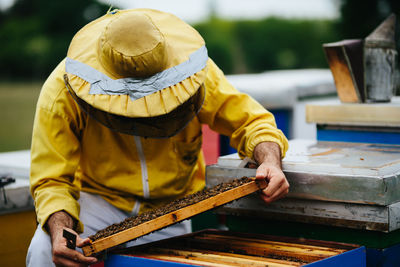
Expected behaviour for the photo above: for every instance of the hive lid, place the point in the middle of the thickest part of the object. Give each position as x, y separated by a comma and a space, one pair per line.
331, 171
384, 35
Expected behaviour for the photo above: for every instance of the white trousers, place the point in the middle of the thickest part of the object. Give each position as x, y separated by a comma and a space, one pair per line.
95, 214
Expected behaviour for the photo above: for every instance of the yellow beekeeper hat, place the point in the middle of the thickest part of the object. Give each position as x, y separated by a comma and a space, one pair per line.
138, 71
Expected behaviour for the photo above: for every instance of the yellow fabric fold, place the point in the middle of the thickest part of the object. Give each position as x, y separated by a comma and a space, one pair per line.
237, 115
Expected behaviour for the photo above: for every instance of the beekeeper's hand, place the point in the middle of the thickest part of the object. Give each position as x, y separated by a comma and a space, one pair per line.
268, 156
62, 255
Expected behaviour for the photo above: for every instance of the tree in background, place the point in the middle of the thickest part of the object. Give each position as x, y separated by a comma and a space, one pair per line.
276, 43
35, 34
268, 44
273, 43
220, 42
360, 17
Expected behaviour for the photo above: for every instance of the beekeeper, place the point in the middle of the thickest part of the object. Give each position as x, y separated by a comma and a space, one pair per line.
117, 130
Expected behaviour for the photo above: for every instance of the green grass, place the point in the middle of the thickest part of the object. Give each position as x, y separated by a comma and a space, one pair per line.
17, 110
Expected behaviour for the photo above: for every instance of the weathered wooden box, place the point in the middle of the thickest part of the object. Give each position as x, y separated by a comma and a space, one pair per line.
353, 185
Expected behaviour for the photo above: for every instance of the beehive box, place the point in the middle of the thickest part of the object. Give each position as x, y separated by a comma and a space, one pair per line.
223, 248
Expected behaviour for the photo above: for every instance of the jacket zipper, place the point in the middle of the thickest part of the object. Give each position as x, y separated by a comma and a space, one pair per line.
136, 208
143, 166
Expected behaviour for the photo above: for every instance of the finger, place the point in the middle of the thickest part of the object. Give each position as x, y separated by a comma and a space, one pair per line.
80, 258
67, 254
261, 172
80, 242
276, 196
274, 184
61, 261
276, 187
67, 262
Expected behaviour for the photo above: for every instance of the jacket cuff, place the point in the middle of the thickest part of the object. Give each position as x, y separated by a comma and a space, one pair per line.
50, 204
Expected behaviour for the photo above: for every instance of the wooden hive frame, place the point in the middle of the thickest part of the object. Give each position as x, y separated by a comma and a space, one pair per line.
174, 217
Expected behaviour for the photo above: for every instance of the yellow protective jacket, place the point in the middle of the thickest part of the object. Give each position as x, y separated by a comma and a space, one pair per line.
72, 152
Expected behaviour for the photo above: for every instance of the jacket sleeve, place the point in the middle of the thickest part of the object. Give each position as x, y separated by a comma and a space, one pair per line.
237, 115
55, 154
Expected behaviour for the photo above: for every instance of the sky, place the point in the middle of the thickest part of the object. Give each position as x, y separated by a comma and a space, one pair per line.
193, 11
198, 10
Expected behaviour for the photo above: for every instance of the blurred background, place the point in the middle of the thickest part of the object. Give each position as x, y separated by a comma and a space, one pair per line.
249, 36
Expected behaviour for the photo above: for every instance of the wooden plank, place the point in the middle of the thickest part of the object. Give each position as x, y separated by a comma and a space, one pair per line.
316, 212
180, 260
286, 239
221, 257
174, 217
260, 249
258, 242
353, 114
